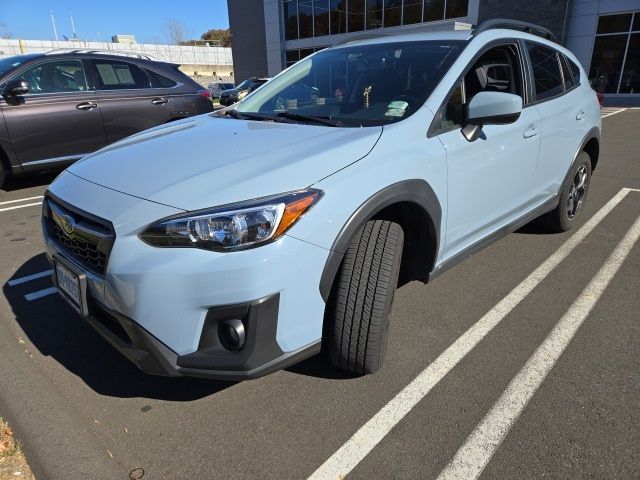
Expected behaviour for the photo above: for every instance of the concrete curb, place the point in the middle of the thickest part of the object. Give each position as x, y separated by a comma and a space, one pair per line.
56, 446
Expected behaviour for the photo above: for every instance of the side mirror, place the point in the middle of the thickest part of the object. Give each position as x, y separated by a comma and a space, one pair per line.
490, 108
16, 87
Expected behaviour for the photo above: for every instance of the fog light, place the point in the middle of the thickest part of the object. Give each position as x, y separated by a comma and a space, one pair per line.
231, 334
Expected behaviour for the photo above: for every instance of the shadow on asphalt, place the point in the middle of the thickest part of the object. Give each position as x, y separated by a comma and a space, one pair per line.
30, 180
57, 331
319, 366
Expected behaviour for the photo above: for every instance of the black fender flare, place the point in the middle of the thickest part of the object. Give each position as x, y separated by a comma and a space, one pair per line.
415, 191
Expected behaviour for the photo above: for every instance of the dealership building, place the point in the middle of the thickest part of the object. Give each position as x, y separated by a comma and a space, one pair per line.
269, 35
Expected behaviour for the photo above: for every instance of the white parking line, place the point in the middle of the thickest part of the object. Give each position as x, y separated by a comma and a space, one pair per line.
28, 278
371, 433
20, 206
613, 113
40, 293
473, 456
21, 200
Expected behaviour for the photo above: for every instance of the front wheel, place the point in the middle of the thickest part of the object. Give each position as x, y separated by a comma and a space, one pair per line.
572, 197
358, 312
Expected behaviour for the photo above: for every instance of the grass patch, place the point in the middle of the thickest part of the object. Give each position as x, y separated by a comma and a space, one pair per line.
13, 464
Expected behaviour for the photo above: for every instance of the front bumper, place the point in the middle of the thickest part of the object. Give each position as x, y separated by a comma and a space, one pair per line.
161, 306
260, 356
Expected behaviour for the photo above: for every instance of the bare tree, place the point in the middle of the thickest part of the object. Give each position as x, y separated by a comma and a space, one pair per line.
175, 32
3, 31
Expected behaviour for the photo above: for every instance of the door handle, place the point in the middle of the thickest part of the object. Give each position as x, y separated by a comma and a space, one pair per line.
580, 115
159, 101
531, 131
86, 106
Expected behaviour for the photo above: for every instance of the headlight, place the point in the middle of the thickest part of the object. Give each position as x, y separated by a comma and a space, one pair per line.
232, 227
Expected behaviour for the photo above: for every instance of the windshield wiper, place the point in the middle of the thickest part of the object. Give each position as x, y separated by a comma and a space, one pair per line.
310, 118
247, 116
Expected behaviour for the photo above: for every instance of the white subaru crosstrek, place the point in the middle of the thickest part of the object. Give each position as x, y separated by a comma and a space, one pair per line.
230, 245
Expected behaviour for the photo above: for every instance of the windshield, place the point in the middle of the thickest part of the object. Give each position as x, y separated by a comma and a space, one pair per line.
9, 63
227, 86
356, 86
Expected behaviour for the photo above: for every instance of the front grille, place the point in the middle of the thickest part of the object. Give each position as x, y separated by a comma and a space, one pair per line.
88, 240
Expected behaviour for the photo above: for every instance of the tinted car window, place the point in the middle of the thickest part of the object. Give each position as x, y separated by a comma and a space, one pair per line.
568, 80
113, 75
160, 81
575, 70
497, 70
55, 77
546, 71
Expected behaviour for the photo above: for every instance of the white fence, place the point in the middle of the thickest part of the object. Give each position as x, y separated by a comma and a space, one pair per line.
191, 56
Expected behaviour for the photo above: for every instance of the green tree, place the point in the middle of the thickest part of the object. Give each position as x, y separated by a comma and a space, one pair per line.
217, 36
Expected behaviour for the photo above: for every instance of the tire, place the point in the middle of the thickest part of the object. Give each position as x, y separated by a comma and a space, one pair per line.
358, 312
572, 197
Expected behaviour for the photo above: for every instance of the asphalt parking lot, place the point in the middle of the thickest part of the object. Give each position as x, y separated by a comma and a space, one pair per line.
521, 362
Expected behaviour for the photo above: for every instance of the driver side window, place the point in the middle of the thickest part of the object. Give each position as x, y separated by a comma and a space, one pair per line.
55, 77
497, 70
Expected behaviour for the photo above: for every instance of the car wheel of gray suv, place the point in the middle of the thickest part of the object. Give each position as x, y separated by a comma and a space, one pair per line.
572, 196
358, 313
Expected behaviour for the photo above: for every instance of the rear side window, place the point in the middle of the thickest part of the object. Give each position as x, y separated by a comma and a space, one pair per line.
546, 71
160, 81
575, 69
113, 75
568, 80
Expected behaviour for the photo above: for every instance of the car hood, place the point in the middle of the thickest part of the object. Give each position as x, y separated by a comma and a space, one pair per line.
206, 161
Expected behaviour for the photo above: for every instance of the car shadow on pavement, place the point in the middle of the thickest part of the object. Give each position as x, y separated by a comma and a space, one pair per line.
56, 330
28, 181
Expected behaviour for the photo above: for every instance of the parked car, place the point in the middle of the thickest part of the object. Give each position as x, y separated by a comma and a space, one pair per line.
234, 95
296, 232
216, 88
57, 107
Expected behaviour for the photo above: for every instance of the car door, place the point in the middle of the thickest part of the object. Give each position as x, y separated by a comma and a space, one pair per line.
490, 180
58, 120
562, 111
128, 102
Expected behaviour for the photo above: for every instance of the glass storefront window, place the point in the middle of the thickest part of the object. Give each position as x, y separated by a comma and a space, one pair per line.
630, 82
636, 22
316, 18
433, 10
338, 16
374, 14
606, 62
457, 8
392, 13
614, 23
305, 18
355, 15
290, 19
321, 17
412, 12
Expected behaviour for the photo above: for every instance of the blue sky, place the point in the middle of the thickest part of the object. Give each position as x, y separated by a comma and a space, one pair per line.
145, 19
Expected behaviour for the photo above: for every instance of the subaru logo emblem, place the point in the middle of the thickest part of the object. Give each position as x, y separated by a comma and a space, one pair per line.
66, 224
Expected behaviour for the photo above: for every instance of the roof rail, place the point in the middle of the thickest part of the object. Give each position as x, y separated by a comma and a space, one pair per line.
527, 27
383, 32
118, 53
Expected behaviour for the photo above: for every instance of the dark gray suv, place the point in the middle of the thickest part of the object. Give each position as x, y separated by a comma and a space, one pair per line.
57, 107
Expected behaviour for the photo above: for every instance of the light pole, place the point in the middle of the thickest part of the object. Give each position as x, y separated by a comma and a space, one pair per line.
53, 23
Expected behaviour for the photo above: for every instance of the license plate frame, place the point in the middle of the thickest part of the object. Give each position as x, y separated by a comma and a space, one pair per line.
71, 284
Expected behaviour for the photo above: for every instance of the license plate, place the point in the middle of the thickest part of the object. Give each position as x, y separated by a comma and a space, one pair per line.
68, 284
